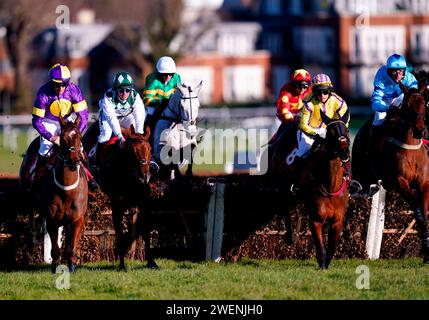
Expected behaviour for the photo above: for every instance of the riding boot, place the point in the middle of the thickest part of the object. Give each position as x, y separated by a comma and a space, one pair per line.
92, 184
298, 174
39, 171
99, 155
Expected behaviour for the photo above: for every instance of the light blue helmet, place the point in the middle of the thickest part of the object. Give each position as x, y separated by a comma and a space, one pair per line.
396, 61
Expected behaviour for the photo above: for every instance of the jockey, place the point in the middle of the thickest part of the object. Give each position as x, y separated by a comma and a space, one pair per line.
311, 126
387, 93
58, 97
121, 106
160, 85
289, 102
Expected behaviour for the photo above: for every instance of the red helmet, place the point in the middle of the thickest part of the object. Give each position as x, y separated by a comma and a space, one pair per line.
301, 75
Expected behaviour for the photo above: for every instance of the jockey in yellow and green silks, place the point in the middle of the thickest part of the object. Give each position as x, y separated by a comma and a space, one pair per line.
160, 86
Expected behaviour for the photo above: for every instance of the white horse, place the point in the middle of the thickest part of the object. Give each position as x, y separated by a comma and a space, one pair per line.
175, 133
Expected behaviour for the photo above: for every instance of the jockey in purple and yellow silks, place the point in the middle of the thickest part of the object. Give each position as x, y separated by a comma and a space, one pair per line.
58, 97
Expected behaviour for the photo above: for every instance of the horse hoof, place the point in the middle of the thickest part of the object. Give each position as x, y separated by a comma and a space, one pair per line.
54, 267
72, 267
152, 265
122, 268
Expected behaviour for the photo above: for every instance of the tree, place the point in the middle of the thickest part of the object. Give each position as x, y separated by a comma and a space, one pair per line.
23, 20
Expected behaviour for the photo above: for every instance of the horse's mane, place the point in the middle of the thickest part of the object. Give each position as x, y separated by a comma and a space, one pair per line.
139, 137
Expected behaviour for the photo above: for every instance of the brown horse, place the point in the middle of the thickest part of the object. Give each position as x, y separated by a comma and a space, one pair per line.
124, 176
403, 161
325, 189
63, 194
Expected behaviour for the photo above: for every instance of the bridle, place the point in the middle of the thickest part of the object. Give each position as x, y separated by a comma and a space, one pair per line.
178, 117
65, 157
334, 155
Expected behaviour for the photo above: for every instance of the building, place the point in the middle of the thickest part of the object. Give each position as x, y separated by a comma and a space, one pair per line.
347, 39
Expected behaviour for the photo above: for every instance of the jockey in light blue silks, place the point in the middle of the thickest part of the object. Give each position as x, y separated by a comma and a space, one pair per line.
387, 93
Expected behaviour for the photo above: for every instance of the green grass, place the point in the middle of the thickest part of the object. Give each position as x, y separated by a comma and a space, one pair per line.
248, 279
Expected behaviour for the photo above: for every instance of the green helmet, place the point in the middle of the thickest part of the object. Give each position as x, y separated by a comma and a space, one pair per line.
123, 79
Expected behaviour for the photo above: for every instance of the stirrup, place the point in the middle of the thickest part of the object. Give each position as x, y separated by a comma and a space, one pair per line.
294, 189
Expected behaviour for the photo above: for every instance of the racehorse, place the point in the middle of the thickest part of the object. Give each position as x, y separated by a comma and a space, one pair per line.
175, 133
124, 176
63, 194
403, 161
326, 190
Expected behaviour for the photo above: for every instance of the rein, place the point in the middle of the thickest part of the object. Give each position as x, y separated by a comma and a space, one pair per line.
405, 145
336, 193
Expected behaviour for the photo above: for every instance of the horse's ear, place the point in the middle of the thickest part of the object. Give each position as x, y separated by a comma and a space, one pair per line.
77, 121
132, 130
326, 120
198, 87
183, 88
403, 88
146, 134
423, 81
62, 121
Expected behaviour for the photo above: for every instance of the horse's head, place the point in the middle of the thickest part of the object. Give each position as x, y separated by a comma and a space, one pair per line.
413, 110
189, 105
70, 143
337, 142
139, 153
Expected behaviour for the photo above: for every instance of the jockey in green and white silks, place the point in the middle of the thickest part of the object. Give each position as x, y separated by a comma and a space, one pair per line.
387, 92
121, 106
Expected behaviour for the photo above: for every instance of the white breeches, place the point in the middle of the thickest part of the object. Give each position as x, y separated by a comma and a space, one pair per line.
136, 119
46, 146
305, 141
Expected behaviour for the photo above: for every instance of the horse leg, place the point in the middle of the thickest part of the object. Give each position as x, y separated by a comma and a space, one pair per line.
316, 228
145, 227
191, 162
422, 219
55, 251
117, 215
75, 232
333, 236
289, 236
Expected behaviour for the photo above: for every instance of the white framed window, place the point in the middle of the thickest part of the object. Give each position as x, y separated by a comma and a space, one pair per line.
193, 75
243, 83
362, 81
372, 45
419, 43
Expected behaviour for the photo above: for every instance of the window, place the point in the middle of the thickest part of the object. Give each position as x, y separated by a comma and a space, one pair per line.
274, 43
272, 7
295, 7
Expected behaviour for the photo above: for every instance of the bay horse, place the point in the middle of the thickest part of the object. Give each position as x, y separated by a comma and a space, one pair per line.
326, 190
63, 194
124, 176
403, 162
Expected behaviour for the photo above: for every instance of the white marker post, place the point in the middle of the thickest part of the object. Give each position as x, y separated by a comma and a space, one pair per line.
376, 222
